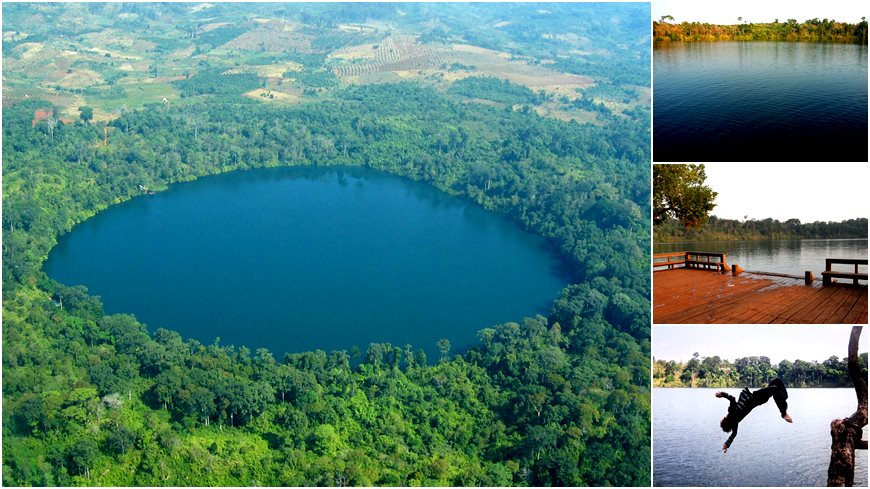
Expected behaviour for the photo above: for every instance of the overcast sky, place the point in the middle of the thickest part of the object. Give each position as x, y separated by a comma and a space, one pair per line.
726, 12
786, 190
732, 341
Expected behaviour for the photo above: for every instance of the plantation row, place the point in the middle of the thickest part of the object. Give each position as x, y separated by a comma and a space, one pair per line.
427, 60
395, 48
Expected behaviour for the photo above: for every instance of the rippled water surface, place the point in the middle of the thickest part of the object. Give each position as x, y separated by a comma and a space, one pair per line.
687, 440
294, 259
791, 257
760, 101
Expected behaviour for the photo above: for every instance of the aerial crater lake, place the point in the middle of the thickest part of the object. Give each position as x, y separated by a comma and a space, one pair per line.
759, 101
303, 258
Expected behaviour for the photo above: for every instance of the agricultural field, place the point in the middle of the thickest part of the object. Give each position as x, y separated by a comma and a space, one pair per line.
116, 57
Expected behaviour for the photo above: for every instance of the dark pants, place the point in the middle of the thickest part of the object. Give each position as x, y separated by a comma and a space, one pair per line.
775, 389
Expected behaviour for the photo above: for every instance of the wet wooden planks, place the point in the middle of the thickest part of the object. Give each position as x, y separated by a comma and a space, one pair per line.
695, 296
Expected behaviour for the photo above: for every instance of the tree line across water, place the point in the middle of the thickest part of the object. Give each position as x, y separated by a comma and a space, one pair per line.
813, 30
97, 399
753, 371
716, 229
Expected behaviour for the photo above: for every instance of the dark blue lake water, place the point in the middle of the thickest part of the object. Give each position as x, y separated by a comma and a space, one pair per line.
759, 101
687, 440
296, 259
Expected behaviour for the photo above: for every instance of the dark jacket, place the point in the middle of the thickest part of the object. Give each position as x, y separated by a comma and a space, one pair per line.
739, 408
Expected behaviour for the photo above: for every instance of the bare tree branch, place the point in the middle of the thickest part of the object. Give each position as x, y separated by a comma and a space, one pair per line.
846, 433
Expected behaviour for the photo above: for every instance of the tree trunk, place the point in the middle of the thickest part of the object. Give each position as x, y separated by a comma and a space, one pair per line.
846, 433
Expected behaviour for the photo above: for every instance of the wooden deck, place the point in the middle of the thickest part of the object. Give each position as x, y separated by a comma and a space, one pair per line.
682, 296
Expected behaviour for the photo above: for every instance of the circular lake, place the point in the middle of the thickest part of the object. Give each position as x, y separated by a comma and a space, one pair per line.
304, 258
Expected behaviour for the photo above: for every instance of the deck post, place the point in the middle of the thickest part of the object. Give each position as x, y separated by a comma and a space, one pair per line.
736, 270
808, 277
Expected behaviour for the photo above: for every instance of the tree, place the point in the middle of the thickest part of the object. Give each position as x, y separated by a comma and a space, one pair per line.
711, 368
120, 439
82, 455
51, 124
846, 433
86, 113
325, 440
679, 192
444, 348
690, 373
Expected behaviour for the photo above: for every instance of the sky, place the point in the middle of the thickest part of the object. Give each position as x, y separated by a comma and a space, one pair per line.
726, 12
789, 190
732, 341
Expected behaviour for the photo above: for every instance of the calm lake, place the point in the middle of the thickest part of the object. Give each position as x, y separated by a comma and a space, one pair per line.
296, 259
687, 440
792, 257
759, 101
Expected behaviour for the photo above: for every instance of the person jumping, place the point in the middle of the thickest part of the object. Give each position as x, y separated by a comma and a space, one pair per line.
739, 408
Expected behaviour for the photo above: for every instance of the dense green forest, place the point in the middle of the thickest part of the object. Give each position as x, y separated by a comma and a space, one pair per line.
752, 372
489, 88
95, 399
813, 30
715, 229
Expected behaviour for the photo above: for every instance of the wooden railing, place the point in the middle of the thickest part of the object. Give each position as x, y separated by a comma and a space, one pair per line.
829, 274
669, 259
717, 261
690, 259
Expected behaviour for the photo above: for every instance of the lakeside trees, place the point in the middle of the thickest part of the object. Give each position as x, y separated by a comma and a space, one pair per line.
671, 230
100, 399
753, 371
813, 30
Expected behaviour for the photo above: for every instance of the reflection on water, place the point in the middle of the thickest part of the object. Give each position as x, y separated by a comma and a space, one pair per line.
782, 256
687, 440
741, 101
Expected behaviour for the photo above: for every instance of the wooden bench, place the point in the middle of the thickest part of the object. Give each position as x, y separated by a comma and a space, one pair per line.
699, 259
828, 275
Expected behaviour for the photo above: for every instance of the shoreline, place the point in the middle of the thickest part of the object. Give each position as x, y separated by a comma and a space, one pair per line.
655, 242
